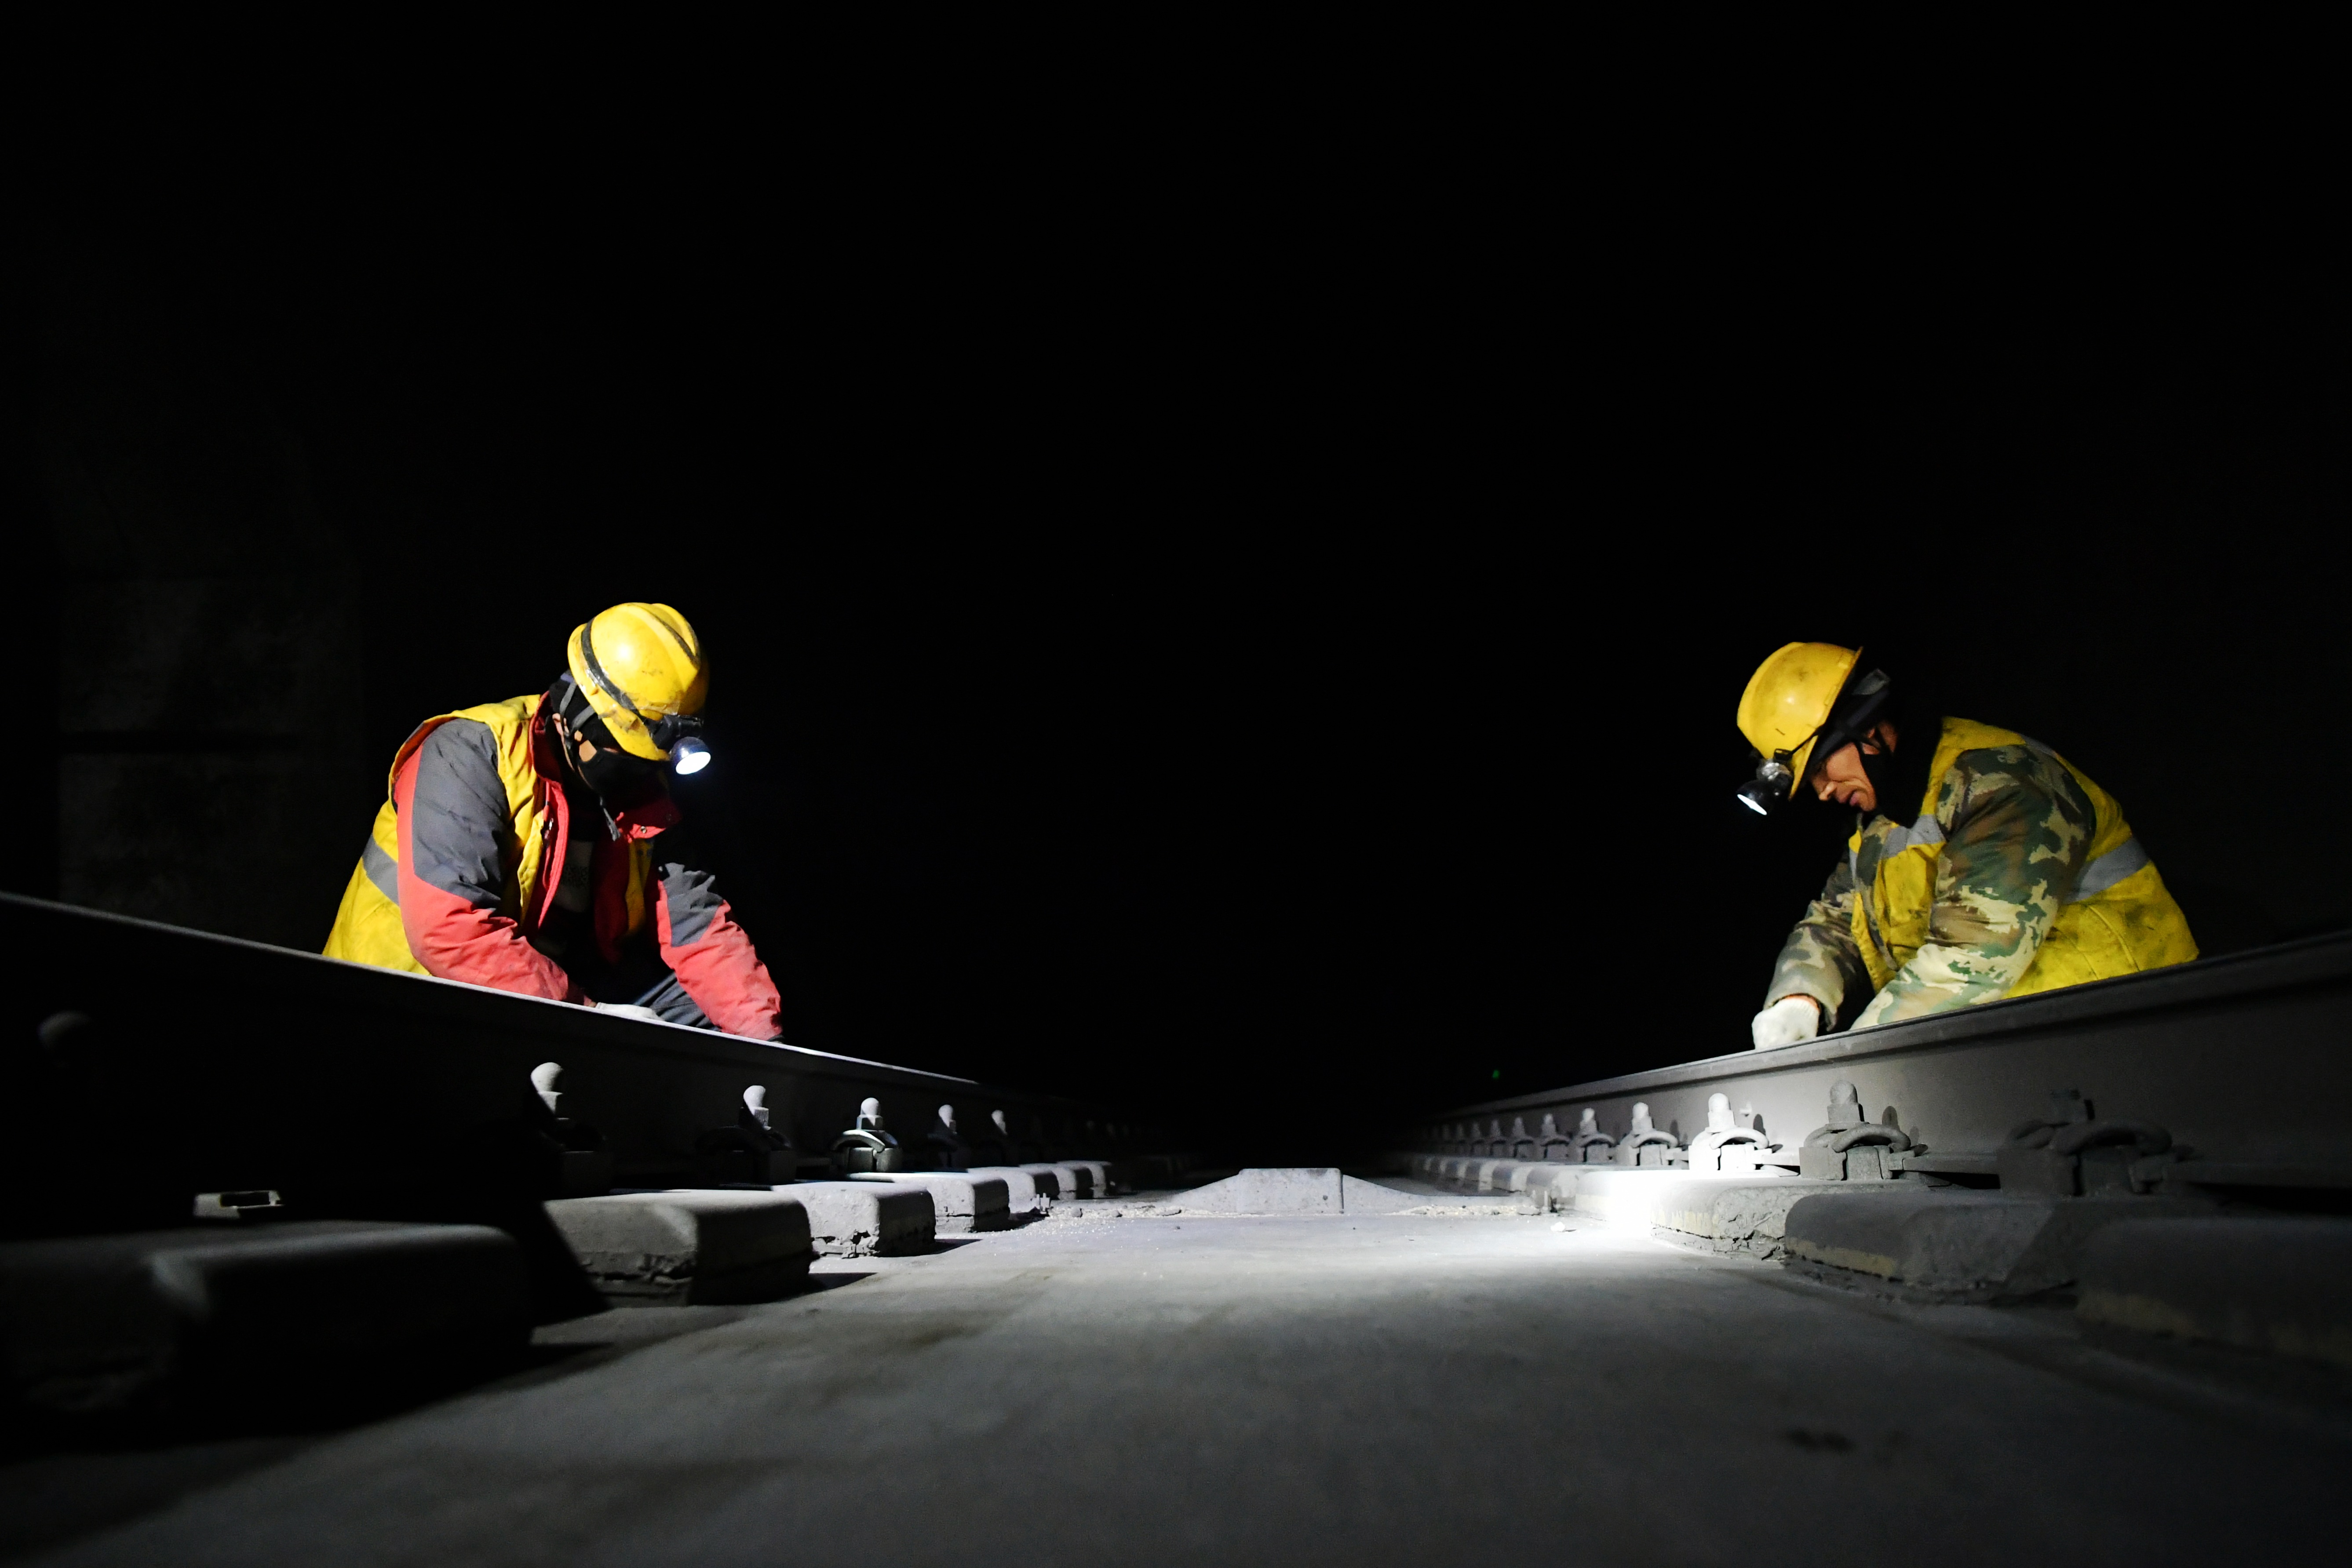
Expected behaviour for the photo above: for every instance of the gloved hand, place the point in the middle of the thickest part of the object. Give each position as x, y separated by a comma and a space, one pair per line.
628, 1011
1789, 1021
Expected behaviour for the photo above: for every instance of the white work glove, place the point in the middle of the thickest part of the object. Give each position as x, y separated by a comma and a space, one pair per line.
628, 1011
1789, 1021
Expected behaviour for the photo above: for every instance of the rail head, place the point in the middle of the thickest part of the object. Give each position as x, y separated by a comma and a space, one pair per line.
2312, 963
313, 979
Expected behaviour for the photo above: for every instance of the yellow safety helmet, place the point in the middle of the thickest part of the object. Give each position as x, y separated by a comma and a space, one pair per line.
641, 668
1786, 709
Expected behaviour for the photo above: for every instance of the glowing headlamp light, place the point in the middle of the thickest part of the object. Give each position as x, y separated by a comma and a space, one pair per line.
681, 736
1774, 778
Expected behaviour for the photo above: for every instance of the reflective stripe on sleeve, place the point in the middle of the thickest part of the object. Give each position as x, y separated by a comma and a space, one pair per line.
2110, 869
382, 868
1925, 830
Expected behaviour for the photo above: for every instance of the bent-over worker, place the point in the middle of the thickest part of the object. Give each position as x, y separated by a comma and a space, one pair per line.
1982, 864
528, 844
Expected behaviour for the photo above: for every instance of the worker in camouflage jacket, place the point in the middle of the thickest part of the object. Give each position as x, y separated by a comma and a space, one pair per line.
1982, 864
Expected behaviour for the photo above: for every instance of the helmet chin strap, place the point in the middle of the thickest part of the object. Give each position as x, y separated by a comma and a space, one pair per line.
572, 703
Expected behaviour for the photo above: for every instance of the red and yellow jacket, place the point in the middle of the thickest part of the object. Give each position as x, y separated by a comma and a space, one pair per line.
468, 858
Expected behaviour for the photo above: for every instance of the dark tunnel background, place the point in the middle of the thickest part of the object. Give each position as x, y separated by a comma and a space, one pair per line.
1268, 666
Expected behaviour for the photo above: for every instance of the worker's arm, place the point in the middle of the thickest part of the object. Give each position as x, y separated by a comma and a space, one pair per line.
456, 835
713, 956
1820, 959
2017, 833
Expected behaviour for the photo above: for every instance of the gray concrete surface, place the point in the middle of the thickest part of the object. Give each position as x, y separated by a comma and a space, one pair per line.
687, 1247
857, 1218
1331, 1389
101, 1322
1072, 1179
1023, 1197
1298, 1189
1730, 1213
1303, 1189
2276, 1285
1957, 1245
1050, 1180
962, 1201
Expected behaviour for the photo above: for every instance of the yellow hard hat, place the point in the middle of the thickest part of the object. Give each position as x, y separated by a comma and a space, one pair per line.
640, 665
1788, 701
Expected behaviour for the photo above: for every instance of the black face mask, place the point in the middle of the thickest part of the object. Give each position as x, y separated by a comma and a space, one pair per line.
621, 781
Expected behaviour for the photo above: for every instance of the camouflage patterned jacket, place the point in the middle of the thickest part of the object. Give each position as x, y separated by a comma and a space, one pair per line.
2019, 874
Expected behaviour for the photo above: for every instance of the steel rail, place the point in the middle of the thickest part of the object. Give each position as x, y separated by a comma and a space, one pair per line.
238, 1064
2247, 1059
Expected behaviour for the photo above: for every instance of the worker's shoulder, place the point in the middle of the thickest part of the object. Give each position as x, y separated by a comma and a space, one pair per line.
506, 723
1990, 753
482, 731
2019, 761
460, 735
1980, 776
499, 715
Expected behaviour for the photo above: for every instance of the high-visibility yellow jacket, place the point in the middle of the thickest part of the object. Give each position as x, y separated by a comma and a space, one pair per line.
475, 845
2017, 874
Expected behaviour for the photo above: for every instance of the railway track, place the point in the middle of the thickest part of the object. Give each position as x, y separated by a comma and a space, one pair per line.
210, 1064
2164, 1154
1997, 1341
2246, 1061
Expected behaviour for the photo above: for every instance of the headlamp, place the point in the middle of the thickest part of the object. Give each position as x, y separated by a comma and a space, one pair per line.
1770, 786
680, 735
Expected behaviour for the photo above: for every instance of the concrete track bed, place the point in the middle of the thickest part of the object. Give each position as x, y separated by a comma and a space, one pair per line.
1328, 1389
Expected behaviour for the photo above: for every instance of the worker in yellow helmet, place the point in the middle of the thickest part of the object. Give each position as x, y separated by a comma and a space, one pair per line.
521, 844
1982, 864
